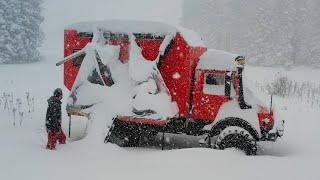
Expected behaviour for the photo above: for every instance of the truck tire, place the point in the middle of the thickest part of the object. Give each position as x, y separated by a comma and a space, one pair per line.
237, 137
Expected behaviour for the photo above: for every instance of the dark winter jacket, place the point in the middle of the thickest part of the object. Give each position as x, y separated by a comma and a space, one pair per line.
53, 116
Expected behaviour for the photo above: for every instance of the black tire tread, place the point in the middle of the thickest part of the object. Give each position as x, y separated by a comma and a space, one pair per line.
237, 137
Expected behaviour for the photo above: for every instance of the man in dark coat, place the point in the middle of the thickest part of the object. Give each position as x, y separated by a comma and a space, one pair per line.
53, 120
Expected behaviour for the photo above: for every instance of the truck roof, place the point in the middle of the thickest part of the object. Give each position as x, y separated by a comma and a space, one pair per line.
138, 27
125, 26
218, 60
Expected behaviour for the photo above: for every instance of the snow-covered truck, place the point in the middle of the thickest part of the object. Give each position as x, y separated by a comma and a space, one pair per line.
203, 87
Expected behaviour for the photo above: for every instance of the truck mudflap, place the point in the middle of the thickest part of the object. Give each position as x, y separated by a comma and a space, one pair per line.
273, 134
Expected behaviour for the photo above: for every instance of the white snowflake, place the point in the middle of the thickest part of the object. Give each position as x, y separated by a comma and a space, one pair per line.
176, 75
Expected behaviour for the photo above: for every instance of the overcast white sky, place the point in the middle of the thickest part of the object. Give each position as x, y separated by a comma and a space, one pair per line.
59, 13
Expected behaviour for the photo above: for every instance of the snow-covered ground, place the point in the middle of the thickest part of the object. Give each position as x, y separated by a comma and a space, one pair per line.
23, 155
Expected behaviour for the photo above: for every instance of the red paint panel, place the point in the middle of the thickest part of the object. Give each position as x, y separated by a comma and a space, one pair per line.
149, 48
194, 53
71, 42
175, 65
264, 114
177, 71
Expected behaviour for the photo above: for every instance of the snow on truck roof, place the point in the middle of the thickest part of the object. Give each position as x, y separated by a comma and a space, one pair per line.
218, 60
125, 26
135, 26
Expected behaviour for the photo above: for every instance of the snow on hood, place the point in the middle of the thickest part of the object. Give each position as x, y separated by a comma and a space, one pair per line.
125, 26
218, 60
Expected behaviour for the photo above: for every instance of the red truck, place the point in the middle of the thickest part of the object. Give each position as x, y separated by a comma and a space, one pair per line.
206, 84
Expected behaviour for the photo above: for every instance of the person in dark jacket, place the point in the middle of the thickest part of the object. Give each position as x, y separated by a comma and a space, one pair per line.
53, 120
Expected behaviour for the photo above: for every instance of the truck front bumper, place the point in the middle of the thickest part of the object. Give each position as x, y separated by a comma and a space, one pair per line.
273, 134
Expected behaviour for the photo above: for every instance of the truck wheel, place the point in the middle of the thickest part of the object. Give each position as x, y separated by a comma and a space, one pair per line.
237, 137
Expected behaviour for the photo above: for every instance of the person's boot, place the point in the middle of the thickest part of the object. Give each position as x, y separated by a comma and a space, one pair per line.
61, 137
50, 147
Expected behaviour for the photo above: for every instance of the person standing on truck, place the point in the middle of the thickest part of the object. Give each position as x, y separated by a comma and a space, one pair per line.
53, 120
240, 66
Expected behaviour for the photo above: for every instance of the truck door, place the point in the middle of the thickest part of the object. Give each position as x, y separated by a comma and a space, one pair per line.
210, 92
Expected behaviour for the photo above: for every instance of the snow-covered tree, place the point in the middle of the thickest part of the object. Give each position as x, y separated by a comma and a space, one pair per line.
20, 33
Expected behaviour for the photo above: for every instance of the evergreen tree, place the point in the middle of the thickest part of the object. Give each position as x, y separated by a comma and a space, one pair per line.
20, 33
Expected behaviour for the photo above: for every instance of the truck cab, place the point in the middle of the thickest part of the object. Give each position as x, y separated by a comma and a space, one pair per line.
220, 94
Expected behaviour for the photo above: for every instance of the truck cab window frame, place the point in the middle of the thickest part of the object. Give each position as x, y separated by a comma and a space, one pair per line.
214, 84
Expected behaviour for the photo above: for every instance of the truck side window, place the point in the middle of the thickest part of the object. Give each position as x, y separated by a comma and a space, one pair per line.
78, 60
214, 84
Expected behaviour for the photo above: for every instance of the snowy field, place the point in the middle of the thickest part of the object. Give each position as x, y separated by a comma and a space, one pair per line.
23, 153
